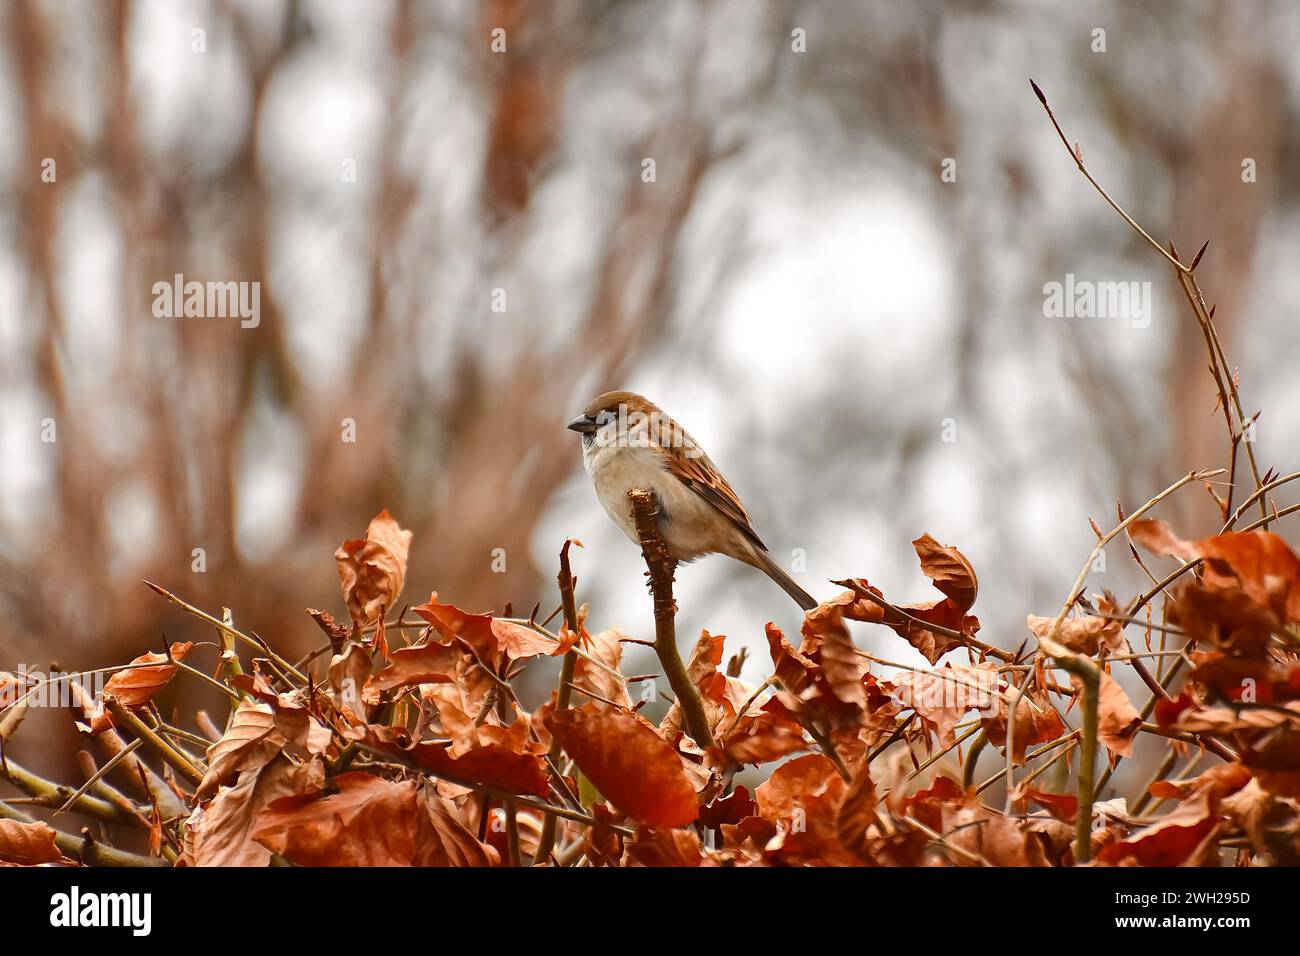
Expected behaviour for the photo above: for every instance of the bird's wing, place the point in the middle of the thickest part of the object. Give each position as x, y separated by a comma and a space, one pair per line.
688, 463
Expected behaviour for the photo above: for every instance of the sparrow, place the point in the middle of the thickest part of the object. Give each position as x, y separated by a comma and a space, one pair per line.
629, 443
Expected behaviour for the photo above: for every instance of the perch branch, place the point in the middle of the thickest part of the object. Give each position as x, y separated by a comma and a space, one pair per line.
645, 513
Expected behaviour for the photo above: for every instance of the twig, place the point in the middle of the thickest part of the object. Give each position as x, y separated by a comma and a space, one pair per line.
1089, 675
98, 775
1255, 496
916, 622
546, 842
512, 834
1110, 535
1077, 156
221, 625
123, 717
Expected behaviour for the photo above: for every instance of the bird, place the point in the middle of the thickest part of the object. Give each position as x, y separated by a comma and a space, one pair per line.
629, 443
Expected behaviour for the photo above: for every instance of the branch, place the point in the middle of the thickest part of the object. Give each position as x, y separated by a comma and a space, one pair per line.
46, 793
645, 513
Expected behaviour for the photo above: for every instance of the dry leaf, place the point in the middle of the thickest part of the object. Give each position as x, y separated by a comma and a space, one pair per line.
628, 762
372, 569
28, 844
370, 822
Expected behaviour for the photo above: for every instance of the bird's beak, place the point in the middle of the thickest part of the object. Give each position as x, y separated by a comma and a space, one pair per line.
582, 424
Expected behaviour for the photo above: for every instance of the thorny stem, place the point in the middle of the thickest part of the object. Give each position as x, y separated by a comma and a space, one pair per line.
1254, 496
1186, 275
230, 656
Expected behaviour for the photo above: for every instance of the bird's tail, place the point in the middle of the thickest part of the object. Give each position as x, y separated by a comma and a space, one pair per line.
768, 566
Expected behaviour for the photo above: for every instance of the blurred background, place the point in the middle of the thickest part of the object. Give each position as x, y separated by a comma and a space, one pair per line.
457, 246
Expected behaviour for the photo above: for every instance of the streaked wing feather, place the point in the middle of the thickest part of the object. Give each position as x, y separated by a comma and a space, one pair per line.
699, 474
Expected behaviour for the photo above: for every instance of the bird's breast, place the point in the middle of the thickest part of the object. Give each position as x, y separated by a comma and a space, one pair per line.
690, 525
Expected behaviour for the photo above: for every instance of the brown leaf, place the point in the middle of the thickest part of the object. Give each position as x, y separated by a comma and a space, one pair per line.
1083, 635
1155, 536
1037, 722
802, 799
1118, 721
702, 669
604, 846
425, 664
348, 676
856, 813
372, 569
489, 764
950, 573
606, 648
949, 570
1274, 759
1221, 780
1249, 808
250, 742
13, 704
1259, 562
370, 822
145, 677
518, 642
1177, 839
659, 848
1246, 678
927, 805
758, 738
988, 836
1226, 720
843, 668
453, 624
783, 792
729, 809
629, 763
1063, 806
28, 844
942, 696
218, 833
